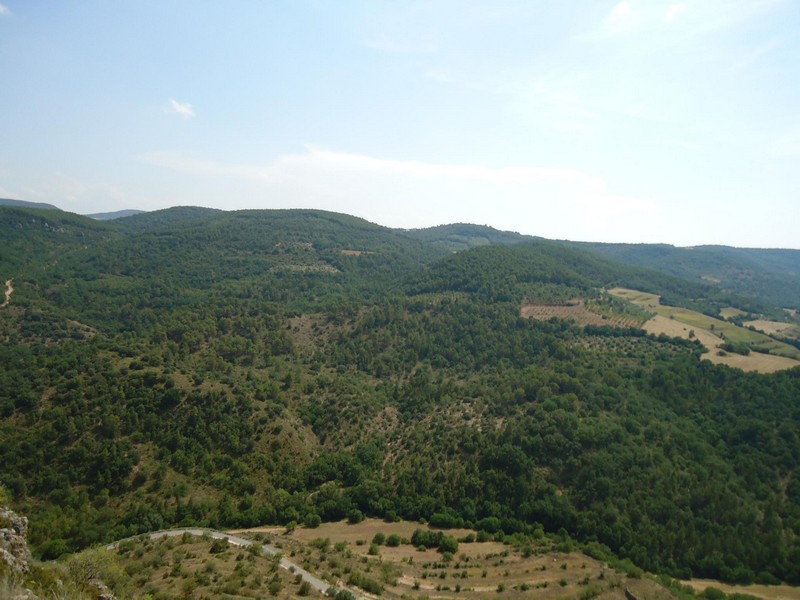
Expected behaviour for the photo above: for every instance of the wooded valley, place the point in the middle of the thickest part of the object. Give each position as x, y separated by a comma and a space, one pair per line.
234, 369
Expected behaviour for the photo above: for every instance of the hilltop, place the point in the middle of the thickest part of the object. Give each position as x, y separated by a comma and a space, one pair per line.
234, 369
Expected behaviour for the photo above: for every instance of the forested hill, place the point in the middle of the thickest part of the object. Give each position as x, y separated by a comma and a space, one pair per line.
24, 204
229, 369
772, 275
463, 236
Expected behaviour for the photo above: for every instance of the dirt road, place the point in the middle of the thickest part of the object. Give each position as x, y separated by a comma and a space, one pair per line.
315, 582
9, 291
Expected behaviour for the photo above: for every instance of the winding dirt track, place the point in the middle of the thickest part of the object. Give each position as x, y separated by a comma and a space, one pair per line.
9, 291
235, 540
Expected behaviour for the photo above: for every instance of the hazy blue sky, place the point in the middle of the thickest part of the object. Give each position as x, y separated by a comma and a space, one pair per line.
633, 120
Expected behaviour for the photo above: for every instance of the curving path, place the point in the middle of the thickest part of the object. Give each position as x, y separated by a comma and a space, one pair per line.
315, 582
9, 291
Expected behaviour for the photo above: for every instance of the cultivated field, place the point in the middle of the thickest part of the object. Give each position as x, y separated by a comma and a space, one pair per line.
487, 569
195, 567
577, 311
729, 312
768, 592
755, 361
785, 330
712, 333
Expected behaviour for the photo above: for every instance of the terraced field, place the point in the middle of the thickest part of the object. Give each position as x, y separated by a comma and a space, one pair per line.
769, 354
486, 569
578, 311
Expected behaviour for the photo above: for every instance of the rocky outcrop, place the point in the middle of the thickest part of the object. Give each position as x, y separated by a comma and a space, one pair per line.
101, 590
13, 540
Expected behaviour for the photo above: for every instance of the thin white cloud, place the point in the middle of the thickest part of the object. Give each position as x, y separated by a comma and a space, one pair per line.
696, 18
184, 109
4, 10
554, 202
623, 18
621, 14
757, 53
673, 12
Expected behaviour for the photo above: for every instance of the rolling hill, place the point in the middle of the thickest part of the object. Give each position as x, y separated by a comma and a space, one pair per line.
235, 369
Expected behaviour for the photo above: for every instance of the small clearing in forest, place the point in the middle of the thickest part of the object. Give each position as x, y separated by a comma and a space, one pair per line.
577, 311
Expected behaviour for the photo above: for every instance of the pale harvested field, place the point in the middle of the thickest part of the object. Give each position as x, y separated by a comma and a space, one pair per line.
343, 531
762, 363
768, 592
775, 327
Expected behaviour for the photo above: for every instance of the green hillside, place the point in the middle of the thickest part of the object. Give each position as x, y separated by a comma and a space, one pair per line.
232, 369
771, 275
463, 236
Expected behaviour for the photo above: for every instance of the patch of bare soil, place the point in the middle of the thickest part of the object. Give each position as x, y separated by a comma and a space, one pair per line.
775, 327
730, 311
576, 311
477, 570
8, 292
768, 592
755, 361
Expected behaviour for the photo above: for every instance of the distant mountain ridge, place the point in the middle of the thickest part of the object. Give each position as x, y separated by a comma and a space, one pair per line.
758, 272
240, 368
24, 204
118, 214
767, 274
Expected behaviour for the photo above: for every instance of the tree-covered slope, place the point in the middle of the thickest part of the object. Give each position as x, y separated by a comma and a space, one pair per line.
251, 367
463, 236
771, 275
40, 238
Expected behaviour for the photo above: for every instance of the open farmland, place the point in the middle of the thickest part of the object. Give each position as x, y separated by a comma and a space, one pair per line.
729, 312
334, 551
785, 330
577, 311
772, 355
200, 567
768, 592
755, 361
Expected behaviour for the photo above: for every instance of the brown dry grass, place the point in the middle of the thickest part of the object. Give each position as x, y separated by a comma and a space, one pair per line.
574, 311
189, 568
755, 361
768, 592
479, 570
775, 327
730, 311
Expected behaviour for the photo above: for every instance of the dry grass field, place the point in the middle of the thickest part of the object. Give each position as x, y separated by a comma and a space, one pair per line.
196, 567
477, 570
768, 592
755, 361
729, 312
577, 311
786, 330
711, 332
490, 569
